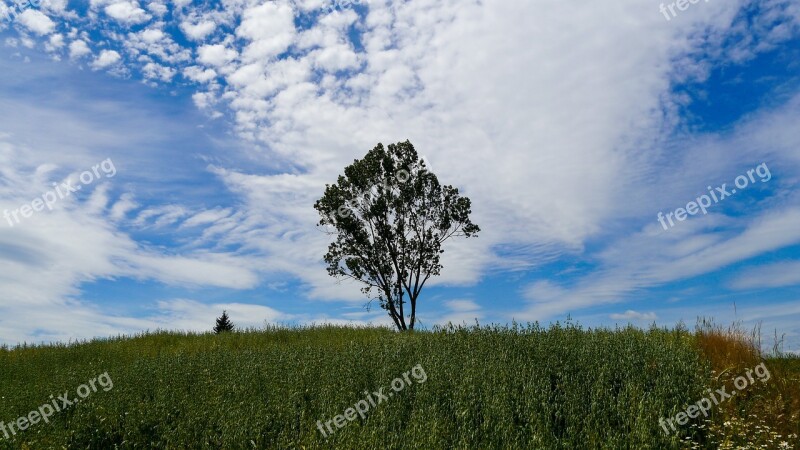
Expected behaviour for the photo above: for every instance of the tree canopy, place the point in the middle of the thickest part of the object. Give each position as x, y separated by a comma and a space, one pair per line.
390, 216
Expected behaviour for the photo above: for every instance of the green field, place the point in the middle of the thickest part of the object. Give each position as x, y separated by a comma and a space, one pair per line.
524, 387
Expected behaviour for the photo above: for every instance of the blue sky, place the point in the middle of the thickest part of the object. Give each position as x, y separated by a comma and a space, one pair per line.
570, 126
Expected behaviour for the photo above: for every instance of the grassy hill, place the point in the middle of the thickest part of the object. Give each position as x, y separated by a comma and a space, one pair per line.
521, 387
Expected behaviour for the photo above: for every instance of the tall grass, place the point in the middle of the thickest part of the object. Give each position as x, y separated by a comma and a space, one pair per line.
487, 387
764, 415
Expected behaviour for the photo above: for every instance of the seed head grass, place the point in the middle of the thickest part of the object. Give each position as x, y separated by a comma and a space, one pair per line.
523, 386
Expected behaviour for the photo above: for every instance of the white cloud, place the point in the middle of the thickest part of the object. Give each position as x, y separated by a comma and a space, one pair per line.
127, 12
153, 43
635, 316
199, 269
37, 22
216, 55
460, 312
55, 43
545, 291
158, 72
442, 76
78, 242
159, 9
183, 314
199, 75
207, 217
203, 100
123, 206
770, 276
336, 58
270, 29
653, 257
198, 31
159, 216
152, 35
106, 59
463, 305
78, 49
58, 7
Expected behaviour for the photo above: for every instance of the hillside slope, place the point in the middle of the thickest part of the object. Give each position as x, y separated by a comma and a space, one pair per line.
323, 387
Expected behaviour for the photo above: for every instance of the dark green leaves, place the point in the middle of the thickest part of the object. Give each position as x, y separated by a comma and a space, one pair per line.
390, 216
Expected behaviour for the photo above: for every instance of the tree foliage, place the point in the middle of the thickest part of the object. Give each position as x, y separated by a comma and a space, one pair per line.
224, 324
390, 216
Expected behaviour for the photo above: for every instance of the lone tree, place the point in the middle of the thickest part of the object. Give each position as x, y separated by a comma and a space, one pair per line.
391, 217
224, 324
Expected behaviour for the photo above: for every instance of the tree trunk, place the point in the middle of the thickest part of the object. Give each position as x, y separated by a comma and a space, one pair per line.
413, 311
